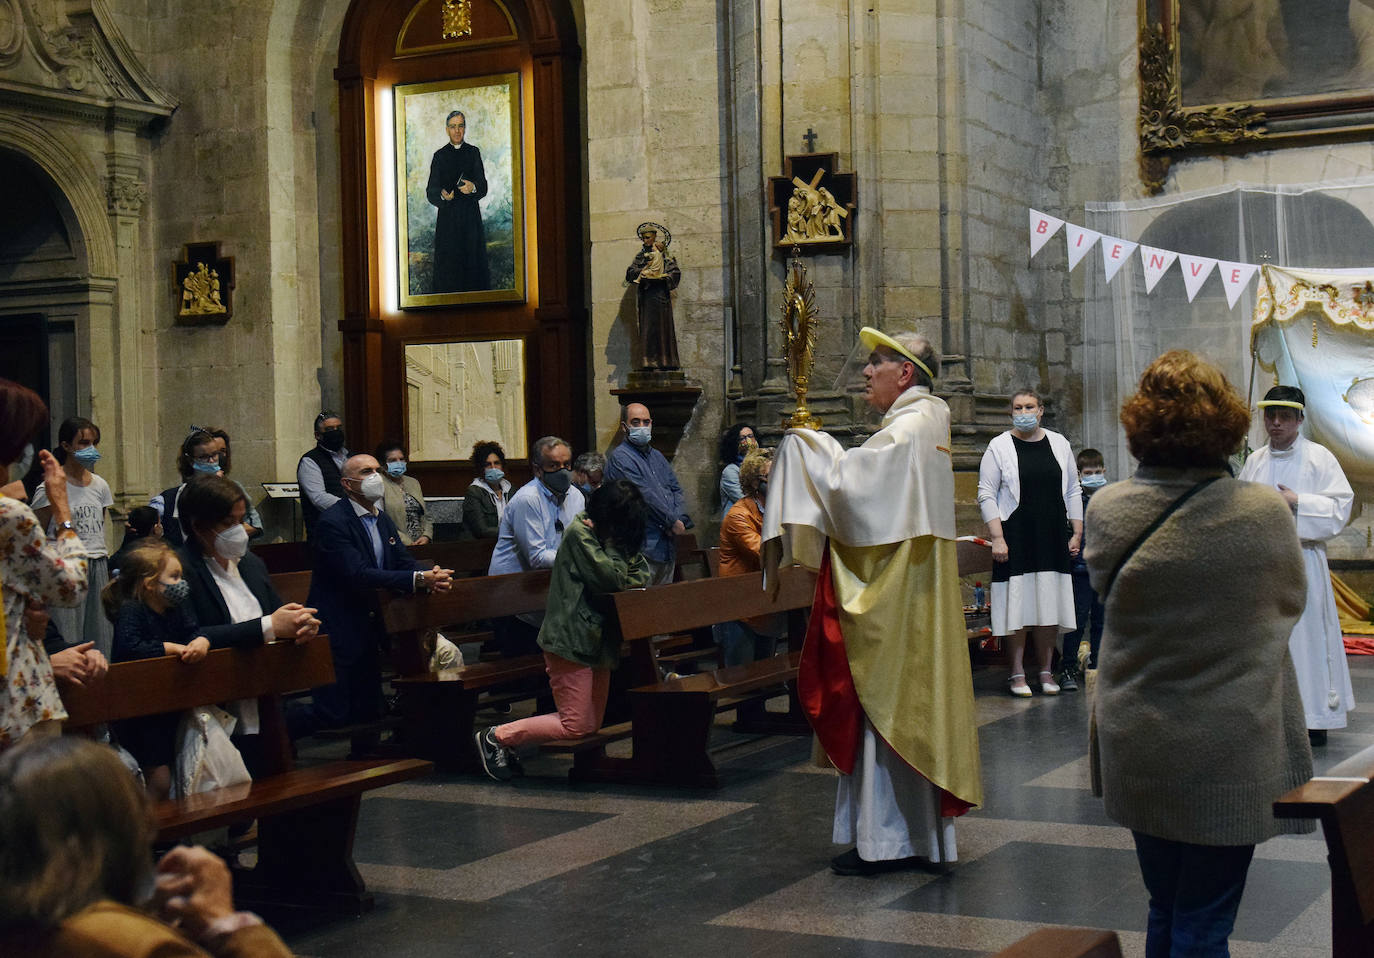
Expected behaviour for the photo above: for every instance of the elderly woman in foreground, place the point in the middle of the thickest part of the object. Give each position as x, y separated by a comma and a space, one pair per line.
76, 870
1197, 725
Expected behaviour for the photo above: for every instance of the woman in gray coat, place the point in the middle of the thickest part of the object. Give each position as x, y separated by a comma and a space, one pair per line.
1197, 723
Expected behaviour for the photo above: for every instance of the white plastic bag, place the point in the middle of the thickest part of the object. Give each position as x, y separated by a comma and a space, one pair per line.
206, 758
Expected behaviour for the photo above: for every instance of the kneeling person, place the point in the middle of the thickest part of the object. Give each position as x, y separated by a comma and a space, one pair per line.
599, 555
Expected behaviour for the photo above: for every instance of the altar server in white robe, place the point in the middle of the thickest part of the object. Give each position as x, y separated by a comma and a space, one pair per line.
1311, 480
884, 675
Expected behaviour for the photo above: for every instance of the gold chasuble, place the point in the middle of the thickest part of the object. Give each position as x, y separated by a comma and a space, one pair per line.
886, 512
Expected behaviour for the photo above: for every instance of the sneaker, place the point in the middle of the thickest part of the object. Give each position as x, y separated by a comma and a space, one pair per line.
1068, 682
495, 756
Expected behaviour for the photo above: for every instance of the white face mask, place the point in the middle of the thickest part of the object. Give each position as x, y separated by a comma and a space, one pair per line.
232, 543
20, 468
371, 487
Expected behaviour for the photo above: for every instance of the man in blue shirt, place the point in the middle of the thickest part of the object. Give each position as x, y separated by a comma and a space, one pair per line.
648, 469
531, 530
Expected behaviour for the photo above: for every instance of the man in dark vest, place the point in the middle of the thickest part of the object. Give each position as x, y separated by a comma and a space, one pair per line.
320, 471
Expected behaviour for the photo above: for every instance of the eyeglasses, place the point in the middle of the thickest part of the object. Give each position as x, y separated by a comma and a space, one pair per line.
208, 458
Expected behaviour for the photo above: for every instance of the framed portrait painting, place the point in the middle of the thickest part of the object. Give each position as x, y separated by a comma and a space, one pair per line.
459, 192
1226, 73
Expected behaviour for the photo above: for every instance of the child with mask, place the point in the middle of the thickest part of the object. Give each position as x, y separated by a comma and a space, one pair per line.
89, 496
147, 604
1092, 475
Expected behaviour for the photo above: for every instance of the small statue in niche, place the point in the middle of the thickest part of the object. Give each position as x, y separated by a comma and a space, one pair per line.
655, 273
200, 292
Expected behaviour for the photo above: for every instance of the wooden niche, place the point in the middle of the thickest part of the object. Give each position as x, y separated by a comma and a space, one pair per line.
502, 304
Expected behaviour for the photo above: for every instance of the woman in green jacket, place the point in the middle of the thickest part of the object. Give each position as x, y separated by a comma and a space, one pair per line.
599, 555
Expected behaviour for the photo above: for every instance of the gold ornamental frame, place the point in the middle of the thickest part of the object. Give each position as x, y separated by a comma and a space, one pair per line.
1168, 128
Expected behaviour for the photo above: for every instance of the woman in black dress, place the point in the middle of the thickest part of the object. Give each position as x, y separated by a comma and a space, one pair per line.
1029, 496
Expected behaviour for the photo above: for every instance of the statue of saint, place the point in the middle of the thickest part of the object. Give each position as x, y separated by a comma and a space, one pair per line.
656, 274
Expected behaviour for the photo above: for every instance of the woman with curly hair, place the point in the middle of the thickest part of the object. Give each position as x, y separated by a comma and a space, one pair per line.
735, 443
1197, 724
1029, 495
485, 501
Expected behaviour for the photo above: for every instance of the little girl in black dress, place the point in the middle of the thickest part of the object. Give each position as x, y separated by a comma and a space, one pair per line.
147, 604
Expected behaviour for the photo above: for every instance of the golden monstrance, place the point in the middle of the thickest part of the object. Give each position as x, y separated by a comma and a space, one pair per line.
799, 318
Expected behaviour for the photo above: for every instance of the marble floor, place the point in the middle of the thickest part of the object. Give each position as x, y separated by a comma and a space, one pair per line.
461, 865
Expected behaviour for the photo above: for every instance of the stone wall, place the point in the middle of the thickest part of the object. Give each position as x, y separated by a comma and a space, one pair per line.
654, 153
237, 165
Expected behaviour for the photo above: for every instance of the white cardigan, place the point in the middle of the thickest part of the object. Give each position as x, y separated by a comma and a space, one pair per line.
999, 477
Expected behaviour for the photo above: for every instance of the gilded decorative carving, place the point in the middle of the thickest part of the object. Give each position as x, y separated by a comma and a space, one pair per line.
799, 318
200, 293
204, 283
457, 19
813, 215
812, 205
1166, 125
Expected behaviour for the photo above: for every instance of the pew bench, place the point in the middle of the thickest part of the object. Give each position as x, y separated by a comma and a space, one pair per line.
671, 720
1343, 801
438, 709
306, 816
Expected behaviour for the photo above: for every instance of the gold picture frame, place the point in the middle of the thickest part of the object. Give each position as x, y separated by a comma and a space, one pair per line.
436, 260
1274, 73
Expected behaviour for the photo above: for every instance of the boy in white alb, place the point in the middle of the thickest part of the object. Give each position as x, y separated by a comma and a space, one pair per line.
1310, 479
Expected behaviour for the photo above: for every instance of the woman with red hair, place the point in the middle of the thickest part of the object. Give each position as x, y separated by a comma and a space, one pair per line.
1197, 725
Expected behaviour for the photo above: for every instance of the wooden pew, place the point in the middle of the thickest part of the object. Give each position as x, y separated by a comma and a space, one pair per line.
671, 720
284, 556
1343, 801
292, 586
466, 557
1065, 943
306, 817
438, 708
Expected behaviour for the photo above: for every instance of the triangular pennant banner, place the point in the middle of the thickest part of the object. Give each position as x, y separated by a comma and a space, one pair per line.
1042, 227
1235, 277
1080, 241
1156, 263
1195, 270
1114, 253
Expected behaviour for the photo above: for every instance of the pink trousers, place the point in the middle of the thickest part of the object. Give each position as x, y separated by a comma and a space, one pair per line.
579, 691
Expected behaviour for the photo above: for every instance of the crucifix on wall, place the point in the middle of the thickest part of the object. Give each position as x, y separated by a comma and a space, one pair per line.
812, 205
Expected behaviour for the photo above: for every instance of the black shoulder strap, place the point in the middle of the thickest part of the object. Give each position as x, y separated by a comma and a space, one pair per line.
1150, 530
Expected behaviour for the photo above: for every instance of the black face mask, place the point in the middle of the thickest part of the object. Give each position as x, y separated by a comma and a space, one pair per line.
332, 439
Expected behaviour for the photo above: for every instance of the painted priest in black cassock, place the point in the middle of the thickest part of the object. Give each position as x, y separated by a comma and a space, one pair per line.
456, 183
655, 272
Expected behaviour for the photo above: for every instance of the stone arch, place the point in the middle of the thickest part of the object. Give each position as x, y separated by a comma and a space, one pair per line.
79, 185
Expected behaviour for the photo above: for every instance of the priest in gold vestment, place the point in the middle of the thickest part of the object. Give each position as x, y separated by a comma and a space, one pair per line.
885, 675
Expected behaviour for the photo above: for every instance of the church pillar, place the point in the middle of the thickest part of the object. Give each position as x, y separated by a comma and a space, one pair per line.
123, 366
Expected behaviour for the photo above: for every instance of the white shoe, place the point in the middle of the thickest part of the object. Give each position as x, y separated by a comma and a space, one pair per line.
1047, 684
1021, 691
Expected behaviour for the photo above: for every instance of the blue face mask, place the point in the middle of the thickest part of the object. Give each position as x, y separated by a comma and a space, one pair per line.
493, 476
209, 467
396, 468
639, 435
88, 456
1095, 481
1025, 421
